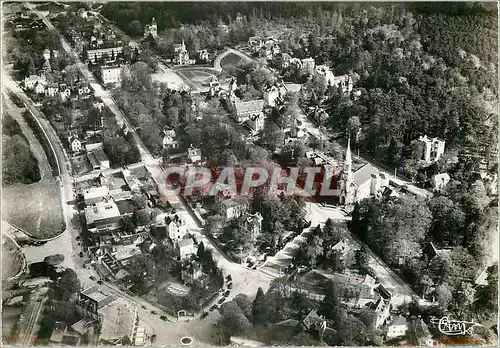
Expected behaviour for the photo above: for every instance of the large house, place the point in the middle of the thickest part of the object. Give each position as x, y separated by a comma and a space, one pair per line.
98, 159
233, 207
243, 111
151, 29
355, 286
176, 227
274, 94
186, 248
103, 216
397, 328
191, 272
251, 223
433, 148
181, 55
111, 75
308, 64
75, 144
169, 140
32, 80
194, 154
110, 54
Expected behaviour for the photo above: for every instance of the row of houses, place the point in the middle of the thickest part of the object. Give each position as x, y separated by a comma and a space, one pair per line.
39, 85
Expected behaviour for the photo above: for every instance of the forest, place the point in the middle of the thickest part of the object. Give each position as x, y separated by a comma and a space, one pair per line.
19, 163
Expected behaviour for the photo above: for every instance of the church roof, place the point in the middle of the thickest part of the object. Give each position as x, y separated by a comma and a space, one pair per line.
364, 174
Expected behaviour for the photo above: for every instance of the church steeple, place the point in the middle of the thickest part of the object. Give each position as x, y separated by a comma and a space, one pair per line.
348, 161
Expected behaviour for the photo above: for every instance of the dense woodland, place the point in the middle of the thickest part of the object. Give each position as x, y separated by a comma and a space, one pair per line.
19, 164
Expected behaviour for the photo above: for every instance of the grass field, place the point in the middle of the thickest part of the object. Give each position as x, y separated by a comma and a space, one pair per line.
35, 208
230, 61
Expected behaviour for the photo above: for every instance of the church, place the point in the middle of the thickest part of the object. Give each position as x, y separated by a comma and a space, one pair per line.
361, 184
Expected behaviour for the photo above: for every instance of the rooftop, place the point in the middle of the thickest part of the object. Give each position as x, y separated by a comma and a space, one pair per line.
364, 174
243, 107
119, 320
101, 210
399, 321
95, 192
185, 242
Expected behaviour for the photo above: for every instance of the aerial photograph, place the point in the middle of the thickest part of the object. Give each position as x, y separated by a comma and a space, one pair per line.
249, 173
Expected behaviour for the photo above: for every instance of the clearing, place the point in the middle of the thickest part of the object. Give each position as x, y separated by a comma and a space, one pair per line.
35, 208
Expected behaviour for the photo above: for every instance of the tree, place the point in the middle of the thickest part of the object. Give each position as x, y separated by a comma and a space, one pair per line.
69, 284
331, 307
233, 318
135, 28
214, 224
128, 224
314, 249
245, 305
201, 250
443, 296
259, 310
19, 164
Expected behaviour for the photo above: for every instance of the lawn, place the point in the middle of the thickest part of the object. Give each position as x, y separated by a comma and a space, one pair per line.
35, 208
230, 61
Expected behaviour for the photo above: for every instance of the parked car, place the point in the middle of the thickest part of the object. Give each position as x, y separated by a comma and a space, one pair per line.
164, 318
221, 301
143, 307
100, 282
226, 294
154, 312
204, 315
213, 308
81, 254
92, 278
228, 278
78, 237
230, 285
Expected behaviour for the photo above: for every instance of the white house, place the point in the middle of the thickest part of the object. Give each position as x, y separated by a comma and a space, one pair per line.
176, 227
169, 141
111, 75
256, 123
243, 110
308, 64
397, 328
327, 74
203, 55
233, 208
194, 154
151, 29
186, 248
39, 88
64, 93
433, 148
52, 90
32, 80
75, 144
439, 181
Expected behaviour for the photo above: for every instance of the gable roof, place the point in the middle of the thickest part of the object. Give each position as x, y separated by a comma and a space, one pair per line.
399, 321
249, 106
185, 242
364, 174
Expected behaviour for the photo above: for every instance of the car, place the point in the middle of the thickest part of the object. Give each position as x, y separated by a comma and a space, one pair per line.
226, 294
254, 267
81, 254
154, 312
213, 308
221, 301
100, 282
204, 315
230, 285
78, 237
228, 278
143, 307
163, 317
92, 278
